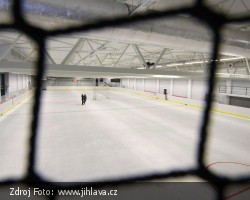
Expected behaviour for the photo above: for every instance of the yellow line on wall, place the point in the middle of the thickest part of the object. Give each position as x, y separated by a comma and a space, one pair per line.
15, 105
190, 105
161, 99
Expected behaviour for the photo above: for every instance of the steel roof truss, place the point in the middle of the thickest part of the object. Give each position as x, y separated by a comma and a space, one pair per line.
139, 54
6, 52
72, 51
121, 55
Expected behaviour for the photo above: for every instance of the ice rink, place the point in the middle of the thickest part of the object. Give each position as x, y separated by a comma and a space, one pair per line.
122, 136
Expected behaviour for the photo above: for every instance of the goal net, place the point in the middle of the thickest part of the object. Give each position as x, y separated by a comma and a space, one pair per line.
101, 93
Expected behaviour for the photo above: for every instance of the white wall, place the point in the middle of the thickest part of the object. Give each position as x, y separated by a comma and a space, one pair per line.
164, 84
195, 89
86, 83
150, 85
66, 83
221, 98
241, 83
180, 87
199, 89
132, 84
219, 83
26, 81
13, 83
124, 83
17, 82
139, 84
70, 82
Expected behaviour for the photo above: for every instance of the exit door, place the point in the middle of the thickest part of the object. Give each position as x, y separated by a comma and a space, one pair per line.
2, 85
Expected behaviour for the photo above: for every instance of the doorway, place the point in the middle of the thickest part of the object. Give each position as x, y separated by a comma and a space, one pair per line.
2, 84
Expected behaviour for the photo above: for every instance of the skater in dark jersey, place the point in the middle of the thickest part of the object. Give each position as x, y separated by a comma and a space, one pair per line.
84, 98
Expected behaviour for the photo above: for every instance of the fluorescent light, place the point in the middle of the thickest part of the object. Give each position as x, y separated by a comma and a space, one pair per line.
190, 63
165, 76
228, 59
175, 64
133, 76
187, 63
200, 62
158, 66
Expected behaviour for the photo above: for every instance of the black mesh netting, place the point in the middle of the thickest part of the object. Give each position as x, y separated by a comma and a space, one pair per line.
200, 11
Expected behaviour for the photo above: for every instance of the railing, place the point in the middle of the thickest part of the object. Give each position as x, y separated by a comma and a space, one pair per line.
237, 90
11, 95
8, 101
107, 84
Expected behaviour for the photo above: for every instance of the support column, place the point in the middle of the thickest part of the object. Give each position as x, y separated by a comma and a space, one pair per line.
7, 83
17, 83
143, 85
128, 83
189, 92
158, 86
228, 91
171, 87
247, 64
229, 86
135, 84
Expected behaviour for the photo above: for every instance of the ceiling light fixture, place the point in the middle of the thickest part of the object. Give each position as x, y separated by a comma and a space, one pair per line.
228, 59
191, 63
175, 64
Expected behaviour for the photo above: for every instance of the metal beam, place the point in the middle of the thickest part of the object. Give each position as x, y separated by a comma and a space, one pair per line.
121, 55
18, 54
94, 52
229, 9
203, 62
139, 54
159, 58
142, 6
132, 60
174, 60
73, 70
49, 58
247, 63
28, 57
59, 70
8, 49
72, 51
113, 60
100, 62
105, 57
236, 68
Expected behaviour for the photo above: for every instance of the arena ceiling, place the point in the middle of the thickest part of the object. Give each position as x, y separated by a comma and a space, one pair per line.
178, 46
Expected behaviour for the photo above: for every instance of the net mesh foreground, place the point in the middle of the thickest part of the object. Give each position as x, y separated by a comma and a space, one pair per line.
198, 10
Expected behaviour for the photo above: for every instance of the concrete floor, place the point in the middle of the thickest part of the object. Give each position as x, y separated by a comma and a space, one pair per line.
122, 136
